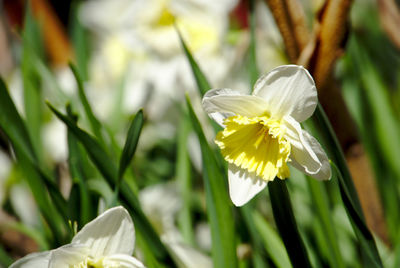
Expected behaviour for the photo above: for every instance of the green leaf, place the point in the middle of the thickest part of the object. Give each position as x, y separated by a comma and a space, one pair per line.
131, 142
94, 123
79, 37
322, 126
272, 242
74, 204
109, 171
77, 165
252, 47
5, 259
260, 245
374, 100
14, 127
96, 152
32, 49
321, 204
386, 124
370, 253
184, 179
202, 84
102, 188
360, 107
219, 206
46, 207
286, 223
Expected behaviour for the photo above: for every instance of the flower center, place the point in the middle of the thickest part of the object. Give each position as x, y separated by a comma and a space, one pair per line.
166, 18
90, 263
256, 144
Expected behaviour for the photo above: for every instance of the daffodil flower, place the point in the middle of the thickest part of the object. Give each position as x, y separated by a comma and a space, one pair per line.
107, 241
262, 131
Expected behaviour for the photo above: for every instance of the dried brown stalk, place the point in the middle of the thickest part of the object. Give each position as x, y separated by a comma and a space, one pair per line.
15, 243
389, 14
56, 40
360, 167
290, 18
331, 37
319, 55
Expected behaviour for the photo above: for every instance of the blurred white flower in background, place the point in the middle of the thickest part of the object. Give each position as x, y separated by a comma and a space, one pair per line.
161, 203
187, 256
55, 141
269, 43
137, 45
107, 241
24, 204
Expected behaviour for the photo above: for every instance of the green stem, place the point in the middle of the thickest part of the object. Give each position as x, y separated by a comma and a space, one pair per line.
286, 223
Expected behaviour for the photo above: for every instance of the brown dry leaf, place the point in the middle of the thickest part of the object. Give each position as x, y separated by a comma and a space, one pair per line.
290, 18
56, 40
389, 14
15, 243
330, 40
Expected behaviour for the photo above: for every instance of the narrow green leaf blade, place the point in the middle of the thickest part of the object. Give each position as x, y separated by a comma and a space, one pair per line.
260, 245
13, 125
370, 253
252, 47
219, 206
322, 126
76, 163
184, 179
386, 124
94, 149
131, 142
286, 223
109, 170
94, 122
5, 259
272, 242
79, 38
31, 51
320, 201
46, 207
202, 83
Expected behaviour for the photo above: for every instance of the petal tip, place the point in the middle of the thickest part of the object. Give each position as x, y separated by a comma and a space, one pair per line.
243, 186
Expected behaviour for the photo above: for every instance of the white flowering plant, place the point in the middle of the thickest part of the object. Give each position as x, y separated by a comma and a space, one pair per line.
199, 133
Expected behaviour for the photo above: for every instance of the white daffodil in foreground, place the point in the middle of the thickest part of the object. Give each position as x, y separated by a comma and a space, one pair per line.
107, 241
262, 131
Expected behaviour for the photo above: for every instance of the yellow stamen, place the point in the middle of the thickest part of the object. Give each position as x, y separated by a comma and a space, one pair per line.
256, 144
89, 263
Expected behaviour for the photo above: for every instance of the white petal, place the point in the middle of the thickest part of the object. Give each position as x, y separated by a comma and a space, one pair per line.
33, 260
186, 255
122, 261
243, 186
221, 103
325, 171
307, 154
68, 255
288, 90
110, 233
